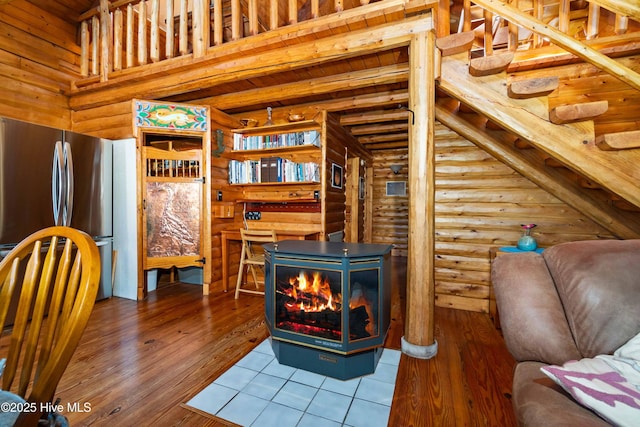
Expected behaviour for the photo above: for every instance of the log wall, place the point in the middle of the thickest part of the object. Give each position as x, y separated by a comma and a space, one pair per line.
480, 205
39, 57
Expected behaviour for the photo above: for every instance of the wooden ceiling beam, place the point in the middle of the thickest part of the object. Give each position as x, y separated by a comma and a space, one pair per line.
388, 137
379, 129
330, 84
374, 117
387, 145
203, 74
513, 15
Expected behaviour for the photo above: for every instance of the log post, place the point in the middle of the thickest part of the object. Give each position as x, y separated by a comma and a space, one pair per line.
444, 18
418, 340
593, 21
154, 48
236, 20
129, 34
104, 40
293, 12
274, 22
183, 29
95, 45
513, 33
117, 39
466, 23
84, 43
201, 19
218, 23
170, 41
488, 32
253, 17
563, 17
538, 13
142, 33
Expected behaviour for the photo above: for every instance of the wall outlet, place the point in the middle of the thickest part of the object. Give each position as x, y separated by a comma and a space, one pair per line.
253, 215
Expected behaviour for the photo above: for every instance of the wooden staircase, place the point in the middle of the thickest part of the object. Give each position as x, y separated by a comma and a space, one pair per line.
566, 159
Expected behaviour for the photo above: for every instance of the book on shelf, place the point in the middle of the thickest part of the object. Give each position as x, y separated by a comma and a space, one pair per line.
272, 169
243, 142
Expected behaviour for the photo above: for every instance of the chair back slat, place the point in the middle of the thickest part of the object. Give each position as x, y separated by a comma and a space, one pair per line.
7, 285
56, 292
250, 258
256, 236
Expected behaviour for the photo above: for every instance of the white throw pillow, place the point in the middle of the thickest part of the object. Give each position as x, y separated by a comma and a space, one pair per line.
607, 384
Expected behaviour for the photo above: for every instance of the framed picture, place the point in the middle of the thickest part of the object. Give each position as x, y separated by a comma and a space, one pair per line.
361, 188
336, 176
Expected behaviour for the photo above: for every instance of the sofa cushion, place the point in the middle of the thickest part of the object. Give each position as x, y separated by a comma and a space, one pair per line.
534, 324
609, 385
599, 285
538, 401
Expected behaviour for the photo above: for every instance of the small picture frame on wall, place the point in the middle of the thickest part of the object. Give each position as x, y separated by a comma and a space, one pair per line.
336, 176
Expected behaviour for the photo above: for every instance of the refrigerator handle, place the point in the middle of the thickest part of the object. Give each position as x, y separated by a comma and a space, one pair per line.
68, 172
58, 187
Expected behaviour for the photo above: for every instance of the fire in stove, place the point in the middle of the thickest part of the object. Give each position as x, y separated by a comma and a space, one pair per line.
311, 303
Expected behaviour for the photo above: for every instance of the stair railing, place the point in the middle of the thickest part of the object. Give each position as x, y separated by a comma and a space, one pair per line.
580, 20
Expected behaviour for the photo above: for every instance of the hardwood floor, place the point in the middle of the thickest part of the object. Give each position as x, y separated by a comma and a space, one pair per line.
138, 361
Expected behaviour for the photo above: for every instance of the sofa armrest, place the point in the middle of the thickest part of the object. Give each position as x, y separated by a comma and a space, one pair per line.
533, 321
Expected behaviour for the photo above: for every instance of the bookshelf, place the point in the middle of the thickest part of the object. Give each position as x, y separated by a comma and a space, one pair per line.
284, 154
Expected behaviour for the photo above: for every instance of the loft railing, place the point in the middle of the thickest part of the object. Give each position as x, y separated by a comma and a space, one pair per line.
123, 34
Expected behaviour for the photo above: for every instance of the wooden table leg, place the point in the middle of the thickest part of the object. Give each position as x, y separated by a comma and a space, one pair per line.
224, 242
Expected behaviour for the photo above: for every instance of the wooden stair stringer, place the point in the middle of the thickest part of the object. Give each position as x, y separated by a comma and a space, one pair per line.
573, 144
624, 225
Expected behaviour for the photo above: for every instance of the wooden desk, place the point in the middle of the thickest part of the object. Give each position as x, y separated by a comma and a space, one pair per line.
227, 235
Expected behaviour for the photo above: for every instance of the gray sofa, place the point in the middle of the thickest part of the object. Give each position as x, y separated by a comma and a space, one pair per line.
575, 300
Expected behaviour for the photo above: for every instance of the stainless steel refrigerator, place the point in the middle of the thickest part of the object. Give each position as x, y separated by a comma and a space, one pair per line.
53, 177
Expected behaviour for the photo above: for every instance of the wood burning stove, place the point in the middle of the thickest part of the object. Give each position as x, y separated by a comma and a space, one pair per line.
328, 304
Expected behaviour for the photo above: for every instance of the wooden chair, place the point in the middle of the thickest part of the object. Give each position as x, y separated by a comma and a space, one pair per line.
53, 276
252, 257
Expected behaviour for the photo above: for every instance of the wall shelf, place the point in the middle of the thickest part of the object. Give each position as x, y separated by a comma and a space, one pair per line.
279, 128
267, 152
264, 184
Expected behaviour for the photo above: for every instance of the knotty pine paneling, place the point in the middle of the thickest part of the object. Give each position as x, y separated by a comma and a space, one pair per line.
480, 204
39, 57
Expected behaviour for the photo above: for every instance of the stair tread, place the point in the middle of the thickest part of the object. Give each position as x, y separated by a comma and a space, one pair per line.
455, 43
529, 88
488, 65
619, 140
576, 112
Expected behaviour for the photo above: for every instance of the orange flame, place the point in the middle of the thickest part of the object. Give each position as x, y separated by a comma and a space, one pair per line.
312, 293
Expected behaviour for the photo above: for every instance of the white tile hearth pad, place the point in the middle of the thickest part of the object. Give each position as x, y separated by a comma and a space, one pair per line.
259, 391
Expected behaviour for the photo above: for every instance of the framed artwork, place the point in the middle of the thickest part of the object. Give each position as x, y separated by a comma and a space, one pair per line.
336, 176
